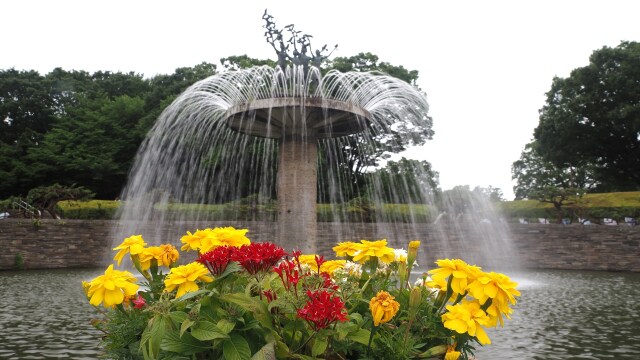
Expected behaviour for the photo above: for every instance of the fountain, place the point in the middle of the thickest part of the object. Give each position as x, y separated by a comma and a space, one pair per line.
289, 109
283, 132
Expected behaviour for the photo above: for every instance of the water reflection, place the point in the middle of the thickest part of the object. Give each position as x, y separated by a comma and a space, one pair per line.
44, 315
571, 315
560, 315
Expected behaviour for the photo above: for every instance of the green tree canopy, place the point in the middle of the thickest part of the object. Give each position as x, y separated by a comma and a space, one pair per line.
536, 176
592, 119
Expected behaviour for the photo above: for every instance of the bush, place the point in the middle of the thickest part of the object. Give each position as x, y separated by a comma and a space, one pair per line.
89, 210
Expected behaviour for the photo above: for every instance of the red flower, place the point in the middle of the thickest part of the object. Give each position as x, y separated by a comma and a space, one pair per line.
139, 303
322, 309
288, 272
328, 281
217, 259
270, 295
258, 257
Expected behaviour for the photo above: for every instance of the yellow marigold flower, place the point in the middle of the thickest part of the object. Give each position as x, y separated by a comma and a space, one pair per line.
500, 289
168, 256
184, 278
85, 287
165, 255
414, 245
309, 260
467, 317
379, 249
222, 236
133, 245
346, 248
112, 287
193, 241
452, 354
463, 274
383, 307
496, 286
496, 312
332, 265
440, 284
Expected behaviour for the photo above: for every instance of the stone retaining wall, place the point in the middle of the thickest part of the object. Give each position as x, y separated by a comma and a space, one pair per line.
83, 243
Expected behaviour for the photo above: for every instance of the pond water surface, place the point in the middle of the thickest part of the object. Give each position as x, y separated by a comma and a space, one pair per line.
560, 315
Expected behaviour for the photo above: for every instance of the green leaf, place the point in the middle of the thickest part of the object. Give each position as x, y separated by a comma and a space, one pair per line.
185, 326
232, 267
178, 317
267, 352
434, 351
245, 302
153, 335
205, 330
236, 348
319, 347
184, 345
361, 336
304, 357
225, 326
190, 295
254, 305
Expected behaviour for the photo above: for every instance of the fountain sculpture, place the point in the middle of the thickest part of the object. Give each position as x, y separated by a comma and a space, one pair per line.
291, 107
294, 132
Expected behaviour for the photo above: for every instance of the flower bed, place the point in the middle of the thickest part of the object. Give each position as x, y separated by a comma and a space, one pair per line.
243, 300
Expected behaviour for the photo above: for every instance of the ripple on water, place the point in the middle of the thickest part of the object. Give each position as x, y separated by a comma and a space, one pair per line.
571, 315
560, 315
46, 315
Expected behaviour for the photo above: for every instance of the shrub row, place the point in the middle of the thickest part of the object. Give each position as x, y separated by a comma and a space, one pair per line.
103, 209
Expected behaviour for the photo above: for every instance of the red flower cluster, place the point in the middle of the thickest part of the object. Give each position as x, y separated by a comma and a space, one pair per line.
254, 258
217, 259
258, 257
322, 309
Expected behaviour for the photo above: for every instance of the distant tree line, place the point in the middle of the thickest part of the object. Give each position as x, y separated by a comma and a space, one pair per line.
77, 129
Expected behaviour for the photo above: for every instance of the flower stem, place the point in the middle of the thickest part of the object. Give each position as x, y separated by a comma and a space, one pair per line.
306, 342
373, 332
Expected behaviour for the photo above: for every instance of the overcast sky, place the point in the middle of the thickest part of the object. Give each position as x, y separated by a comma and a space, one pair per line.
485, 65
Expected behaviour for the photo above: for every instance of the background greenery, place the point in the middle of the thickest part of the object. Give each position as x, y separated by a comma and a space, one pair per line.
76, 131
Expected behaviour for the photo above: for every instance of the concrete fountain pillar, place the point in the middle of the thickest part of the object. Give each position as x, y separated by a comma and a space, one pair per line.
298, 122
297, 193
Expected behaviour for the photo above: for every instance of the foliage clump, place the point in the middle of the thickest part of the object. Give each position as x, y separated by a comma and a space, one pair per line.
243, 300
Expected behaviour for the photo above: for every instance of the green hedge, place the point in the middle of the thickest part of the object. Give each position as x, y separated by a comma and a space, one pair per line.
355, 211
87, 210
594, 207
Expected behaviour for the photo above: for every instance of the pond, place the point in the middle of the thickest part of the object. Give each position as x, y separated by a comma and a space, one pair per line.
560, 315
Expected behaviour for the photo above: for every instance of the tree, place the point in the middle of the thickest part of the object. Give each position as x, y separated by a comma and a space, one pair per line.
533, 174
238, 62
404, 181
165, 88
592, 119
46, 198
542, 180
493, 194
92, 145
26, 114
559, 197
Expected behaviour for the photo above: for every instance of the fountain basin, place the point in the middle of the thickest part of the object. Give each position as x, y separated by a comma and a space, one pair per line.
317, 118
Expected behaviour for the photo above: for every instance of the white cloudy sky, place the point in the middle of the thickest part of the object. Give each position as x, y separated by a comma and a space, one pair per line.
485, 65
